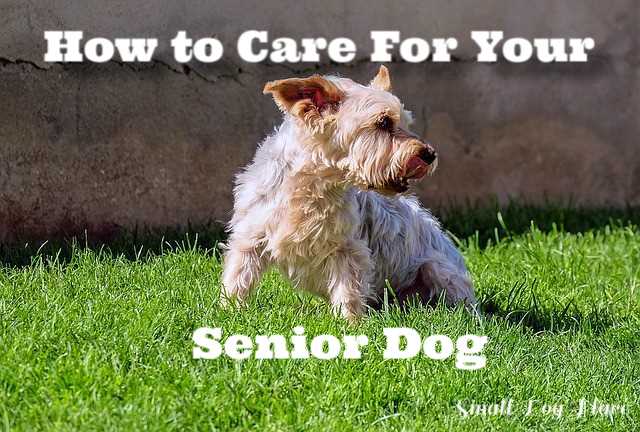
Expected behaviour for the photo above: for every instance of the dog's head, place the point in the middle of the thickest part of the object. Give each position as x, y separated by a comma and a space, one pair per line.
363, 131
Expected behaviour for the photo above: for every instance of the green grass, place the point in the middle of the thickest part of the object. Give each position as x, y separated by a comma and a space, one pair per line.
100, 339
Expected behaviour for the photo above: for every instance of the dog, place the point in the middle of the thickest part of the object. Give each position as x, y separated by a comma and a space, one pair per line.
325, 201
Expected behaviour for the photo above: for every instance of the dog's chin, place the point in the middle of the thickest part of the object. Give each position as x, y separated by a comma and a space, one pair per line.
414, 172
398, 185
393, 186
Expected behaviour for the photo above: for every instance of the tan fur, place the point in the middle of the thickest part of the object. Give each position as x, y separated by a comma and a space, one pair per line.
287, 95
308, 201
382, 81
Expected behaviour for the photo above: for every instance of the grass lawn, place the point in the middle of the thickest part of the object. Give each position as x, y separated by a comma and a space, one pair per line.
101, 338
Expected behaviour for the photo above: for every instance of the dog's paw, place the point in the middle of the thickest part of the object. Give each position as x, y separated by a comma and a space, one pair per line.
230, 302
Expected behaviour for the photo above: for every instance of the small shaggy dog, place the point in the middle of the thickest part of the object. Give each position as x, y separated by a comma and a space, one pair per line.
324, 201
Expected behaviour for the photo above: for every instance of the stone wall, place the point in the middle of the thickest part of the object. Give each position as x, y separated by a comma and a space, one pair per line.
112, 146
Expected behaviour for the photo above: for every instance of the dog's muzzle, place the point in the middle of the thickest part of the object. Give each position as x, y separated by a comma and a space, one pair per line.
419, 165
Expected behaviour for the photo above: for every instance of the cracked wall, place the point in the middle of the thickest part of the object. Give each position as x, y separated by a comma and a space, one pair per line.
113, 146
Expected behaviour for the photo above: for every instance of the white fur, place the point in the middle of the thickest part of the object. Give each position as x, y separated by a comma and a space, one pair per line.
298, 207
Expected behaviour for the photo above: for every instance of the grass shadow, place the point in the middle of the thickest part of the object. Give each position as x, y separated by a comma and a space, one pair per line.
487, 223
523, 308
494, 222
134, 245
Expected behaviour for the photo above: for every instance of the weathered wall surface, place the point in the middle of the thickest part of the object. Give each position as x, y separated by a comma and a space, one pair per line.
101, 147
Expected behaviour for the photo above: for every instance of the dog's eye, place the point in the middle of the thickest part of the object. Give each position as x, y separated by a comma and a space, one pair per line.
385, 123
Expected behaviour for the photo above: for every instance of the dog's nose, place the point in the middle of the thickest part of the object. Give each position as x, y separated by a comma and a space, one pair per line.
428, 154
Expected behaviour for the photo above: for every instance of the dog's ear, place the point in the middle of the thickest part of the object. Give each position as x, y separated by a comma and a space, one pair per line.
382, 81
304, 96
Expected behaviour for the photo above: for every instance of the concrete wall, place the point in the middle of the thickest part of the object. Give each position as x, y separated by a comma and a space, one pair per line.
108, 146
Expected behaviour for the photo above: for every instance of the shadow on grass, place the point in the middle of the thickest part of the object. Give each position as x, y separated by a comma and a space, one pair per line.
134, 245
486, 222
493, 221
523, 308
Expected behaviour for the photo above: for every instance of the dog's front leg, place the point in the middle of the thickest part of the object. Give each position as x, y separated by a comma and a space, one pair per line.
348, 274
242, 270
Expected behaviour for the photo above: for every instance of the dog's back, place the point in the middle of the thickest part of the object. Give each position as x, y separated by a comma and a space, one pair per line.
397, 228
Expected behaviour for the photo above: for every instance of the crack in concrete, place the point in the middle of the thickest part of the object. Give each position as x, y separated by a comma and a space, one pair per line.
4, 61
190, 71
185, 70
